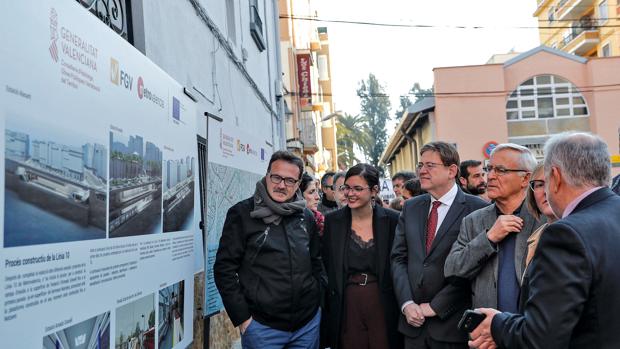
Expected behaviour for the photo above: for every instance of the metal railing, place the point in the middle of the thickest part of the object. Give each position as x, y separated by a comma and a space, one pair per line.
114, 13
584, 24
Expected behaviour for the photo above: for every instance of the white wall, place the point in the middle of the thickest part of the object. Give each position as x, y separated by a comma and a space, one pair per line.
179, 40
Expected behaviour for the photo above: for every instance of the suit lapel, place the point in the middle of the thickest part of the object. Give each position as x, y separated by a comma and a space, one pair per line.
380, 227
422, 220
488, 221
457, 207
341, 233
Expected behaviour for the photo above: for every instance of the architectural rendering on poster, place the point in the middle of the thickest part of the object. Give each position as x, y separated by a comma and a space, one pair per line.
135, 185
93, 333
178, 197
135, 324
55, 186
170, 320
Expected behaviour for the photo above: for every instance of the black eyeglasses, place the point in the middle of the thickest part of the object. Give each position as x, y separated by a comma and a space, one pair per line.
537, 184
288, 181
500, 170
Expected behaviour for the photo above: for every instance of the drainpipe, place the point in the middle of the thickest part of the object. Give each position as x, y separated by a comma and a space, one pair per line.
278, 82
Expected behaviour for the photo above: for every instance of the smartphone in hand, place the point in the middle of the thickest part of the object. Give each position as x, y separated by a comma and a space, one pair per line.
470, 320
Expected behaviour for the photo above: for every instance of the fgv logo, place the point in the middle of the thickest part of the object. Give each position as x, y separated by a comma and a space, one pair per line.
118, 76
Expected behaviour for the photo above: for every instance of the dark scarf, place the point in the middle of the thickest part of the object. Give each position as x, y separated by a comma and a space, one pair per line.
271, 211
327, 202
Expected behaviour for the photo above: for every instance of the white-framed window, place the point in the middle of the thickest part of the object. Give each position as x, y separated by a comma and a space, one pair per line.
256, 25
606, 50
544, 97
603, 12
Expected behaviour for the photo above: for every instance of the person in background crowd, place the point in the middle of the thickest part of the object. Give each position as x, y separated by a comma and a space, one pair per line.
473, 179
341, 199
328, 203
574, 277
398, 181
538, 206
615, 185
265, 237
357, 241
397, 204
310, 193
428, 225
412, 188
492, 243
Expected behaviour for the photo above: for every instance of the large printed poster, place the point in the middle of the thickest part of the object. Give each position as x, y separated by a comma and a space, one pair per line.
98, 204
237, 160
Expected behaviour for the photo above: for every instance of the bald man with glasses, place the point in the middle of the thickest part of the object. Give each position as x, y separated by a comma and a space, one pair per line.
492, 243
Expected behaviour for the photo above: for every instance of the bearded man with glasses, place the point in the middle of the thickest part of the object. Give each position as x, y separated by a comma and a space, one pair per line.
268, 268
492, 243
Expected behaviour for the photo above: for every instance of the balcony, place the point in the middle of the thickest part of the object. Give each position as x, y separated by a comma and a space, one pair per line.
307, 128
540, 5
573, 9
583, 37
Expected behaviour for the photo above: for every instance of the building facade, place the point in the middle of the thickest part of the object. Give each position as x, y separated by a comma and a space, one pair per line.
587, 28
524, 100
310, 114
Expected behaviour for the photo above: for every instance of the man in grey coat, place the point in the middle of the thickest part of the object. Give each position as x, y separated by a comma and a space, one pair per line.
492, 243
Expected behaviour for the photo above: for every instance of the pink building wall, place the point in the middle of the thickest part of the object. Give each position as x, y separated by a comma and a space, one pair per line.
470, 101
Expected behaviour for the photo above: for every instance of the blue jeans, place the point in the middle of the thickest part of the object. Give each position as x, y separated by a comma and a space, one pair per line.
259, 336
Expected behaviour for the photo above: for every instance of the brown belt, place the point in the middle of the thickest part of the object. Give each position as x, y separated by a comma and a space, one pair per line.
361, 279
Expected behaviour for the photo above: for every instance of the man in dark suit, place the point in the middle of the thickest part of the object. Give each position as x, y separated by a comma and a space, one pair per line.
428, 226
574, 278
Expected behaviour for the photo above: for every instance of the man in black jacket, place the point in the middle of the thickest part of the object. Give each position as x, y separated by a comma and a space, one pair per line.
574, 279
268, 268
428, 226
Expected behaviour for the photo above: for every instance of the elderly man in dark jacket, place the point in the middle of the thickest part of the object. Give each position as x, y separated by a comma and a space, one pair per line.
268, 268
574, 279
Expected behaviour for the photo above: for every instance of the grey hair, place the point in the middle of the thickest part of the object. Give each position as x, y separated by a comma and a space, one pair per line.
338, 175
527, 160
583, 159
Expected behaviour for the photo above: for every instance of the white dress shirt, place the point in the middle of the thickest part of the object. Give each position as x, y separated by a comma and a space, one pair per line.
446, 202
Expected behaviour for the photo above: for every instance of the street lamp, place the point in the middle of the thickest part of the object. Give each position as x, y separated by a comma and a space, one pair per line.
330, 116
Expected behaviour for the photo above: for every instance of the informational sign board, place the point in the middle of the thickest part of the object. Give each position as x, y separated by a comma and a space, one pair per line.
387, 191
237, 160
98, 204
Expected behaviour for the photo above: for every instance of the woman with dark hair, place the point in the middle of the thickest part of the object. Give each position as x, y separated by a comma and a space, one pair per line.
310, 192
412, 188
358, 238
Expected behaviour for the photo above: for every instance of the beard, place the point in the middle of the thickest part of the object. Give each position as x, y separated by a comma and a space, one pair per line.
479, 190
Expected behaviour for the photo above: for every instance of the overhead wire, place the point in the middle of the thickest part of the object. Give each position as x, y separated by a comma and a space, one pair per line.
431, 26
579, 89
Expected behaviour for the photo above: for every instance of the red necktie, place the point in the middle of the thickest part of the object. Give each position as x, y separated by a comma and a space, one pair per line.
431, 226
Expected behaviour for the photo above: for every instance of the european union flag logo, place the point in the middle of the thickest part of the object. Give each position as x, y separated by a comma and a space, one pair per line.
176, 108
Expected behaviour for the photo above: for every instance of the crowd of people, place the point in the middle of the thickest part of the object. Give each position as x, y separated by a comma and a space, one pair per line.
531, 246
